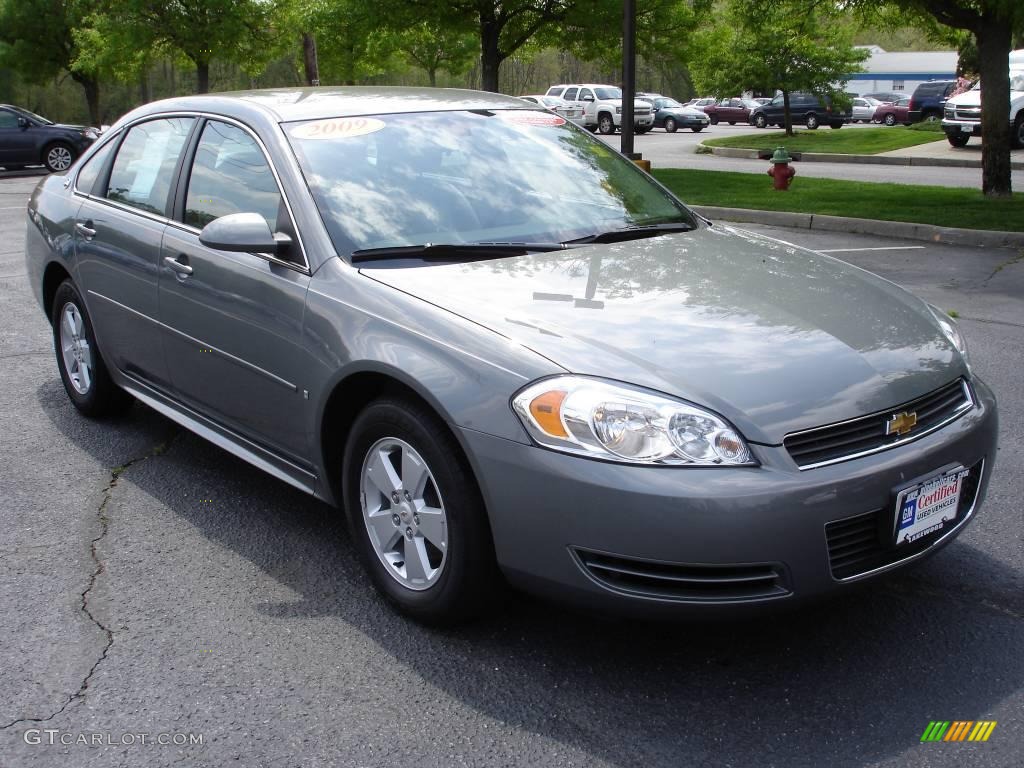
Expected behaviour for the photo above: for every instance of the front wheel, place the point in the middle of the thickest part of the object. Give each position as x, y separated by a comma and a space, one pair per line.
812, 122
958, 139
1017, 139
670, 125
605, 124
714, 119
85, 376
58, 157
416, 514
760, 121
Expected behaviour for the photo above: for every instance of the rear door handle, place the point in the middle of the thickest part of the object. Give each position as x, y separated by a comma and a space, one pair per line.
85, 230
180, 267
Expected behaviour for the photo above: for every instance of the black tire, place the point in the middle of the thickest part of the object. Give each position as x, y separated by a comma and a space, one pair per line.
811, 121
931, 116
697, 128
469, 583
714, 119
889, 119
102, 397
641, 131
1017, 138
670, 125
760, 121
592, 128
958, 139
605, 124
835, 126
58, 156
732, 122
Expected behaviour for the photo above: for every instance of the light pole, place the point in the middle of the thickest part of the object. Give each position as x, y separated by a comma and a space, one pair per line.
628, 76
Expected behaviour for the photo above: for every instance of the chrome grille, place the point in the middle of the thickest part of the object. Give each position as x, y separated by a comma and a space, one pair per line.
678, 581
869, 434
968, 113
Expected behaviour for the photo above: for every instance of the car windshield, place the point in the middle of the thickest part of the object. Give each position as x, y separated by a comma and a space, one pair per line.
608, 93
481, 176
34, 116
552, 101
669, 103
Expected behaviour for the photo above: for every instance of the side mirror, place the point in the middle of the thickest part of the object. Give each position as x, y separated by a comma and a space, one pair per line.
588, 97
243, 232
23, 123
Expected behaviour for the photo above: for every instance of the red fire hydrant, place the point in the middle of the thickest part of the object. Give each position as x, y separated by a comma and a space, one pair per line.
781, 172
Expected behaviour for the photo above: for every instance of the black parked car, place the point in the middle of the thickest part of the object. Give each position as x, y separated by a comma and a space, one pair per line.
28, 139
929, 99
804, 108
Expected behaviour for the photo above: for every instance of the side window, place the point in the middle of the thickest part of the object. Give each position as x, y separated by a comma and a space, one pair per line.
8, 119
570, 94
90, 172
778, 101
584, 92
230, 174
144, 167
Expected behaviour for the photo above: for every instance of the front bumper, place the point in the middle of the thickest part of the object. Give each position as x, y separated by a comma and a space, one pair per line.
961, 127
562, 524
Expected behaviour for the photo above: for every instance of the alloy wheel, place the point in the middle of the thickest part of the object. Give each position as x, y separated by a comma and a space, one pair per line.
58, 158
404, 513
75, 349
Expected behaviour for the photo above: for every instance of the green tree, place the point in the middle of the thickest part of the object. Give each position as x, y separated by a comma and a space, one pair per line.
432, 47
994, 24
37, 40
239, 31
789, 45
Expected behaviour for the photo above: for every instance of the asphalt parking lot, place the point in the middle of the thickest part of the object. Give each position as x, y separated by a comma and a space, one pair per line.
153, 584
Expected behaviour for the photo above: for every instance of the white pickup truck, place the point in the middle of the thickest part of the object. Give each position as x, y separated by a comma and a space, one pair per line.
961, 116
602, 107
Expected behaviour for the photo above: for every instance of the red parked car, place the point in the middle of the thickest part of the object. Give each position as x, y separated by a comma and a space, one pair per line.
893, 114
731, 111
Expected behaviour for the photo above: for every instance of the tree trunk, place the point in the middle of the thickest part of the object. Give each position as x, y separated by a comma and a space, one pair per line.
202, 77
145, 95
432, 74
91, 86
490, 54
994, 38
309, 59
787, 118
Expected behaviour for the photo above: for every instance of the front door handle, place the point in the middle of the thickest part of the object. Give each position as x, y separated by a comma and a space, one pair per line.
85, 230
181, 267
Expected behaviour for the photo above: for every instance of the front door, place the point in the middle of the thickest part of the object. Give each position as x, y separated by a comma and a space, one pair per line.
17, 144
233, 321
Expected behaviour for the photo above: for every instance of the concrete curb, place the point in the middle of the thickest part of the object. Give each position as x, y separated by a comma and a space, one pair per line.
983, 238
822, 157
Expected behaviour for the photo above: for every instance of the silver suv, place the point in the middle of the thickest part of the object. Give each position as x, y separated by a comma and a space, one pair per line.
602, 107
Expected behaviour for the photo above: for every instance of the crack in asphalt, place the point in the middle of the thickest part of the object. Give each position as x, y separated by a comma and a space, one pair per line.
1004, 265
108, 492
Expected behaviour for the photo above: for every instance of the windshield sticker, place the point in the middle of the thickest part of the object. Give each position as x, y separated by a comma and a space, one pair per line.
337, 128
529, 117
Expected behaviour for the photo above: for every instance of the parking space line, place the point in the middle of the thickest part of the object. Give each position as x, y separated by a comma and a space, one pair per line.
881, 248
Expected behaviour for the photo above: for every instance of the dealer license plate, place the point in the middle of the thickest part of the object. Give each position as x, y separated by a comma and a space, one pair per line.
967, 129
929, 506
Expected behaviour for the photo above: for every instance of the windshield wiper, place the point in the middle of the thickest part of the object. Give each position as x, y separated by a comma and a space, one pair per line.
453, 251
632, 233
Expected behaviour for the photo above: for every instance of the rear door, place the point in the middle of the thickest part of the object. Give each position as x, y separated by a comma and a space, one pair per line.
117, 238
232, 322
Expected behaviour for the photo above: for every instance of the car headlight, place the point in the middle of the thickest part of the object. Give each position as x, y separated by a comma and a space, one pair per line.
619, 422
90, 133
952, 332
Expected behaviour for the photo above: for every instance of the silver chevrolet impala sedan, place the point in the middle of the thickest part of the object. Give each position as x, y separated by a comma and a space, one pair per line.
507, 353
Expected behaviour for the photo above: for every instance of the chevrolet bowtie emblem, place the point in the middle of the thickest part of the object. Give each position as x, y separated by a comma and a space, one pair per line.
900, 423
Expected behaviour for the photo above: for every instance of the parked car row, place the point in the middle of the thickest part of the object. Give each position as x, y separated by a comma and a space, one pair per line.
962, 113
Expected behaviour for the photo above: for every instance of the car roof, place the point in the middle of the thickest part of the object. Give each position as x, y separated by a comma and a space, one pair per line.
288, 104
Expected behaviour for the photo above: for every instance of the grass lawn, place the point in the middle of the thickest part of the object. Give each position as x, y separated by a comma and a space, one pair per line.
943, 206
859, 141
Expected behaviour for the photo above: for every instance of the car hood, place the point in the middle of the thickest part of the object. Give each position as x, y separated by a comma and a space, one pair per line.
774, 337
686, 111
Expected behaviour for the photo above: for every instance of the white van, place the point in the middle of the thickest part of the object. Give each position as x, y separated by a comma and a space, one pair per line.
961, 117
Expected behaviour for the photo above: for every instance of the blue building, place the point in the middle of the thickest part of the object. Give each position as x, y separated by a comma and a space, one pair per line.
901, 71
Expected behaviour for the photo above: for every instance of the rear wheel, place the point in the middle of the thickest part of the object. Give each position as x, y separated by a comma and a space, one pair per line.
732, 122
812, 122
605, 124
890, 119
417, 517
958, 139
58, 157
670, 124
931, 117
697, 128
82, 370
639, 131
